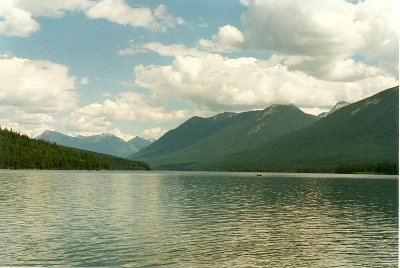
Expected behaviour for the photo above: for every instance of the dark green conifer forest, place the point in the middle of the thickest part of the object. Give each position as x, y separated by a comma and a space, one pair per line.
18, 151
378, 167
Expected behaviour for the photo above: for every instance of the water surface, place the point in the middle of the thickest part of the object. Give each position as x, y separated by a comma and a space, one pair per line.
197, 219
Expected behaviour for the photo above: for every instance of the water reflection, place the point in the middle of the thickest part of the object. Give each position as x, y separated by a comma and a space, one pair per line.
196, 219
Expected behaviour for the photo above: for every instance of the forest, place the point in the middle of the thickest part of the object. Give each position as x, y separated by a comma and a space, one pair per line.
18, 151
391, 168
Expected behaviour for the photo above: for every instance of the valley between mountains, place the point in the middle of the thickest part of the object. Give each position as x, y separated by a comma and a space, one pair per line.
279, 138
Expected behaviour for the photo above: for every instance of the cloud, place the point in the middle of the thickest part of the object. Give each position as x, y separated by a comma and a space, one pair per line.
53, 8
321, 33
306, 27
315, 111
120, 12
32, 131
153, 133
118, 133
36, 85
32, 118
334, 68
84, 81
228, 39
132, 49
172, 50
128, 106
16, 21
106, 94
164, 50
17, 17
382, 38
216, 83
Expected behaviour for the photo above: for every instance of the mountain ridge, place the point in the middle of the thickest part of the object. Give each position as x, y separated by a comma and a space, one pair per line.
224, 134
365, 131
104, 143
18, 151
337, 106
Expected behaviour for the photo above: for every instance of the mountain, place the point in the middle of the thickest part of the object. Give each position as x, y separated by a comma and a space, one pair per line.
139, 143
363, 132
338, 106
104, 143
20, 152
199, 142
283, 138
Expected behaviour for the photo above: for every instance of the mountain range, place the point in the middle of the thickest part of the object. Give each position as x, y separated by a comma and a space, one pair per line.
104, 143
282, 138
224, 134
21, 152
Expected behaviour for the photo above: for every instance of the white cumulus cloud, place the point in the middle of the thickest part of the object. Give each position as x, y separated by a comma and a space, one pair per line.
18, 17
320, 34
53, 8
228, 39
128, 106
36, 85
164, 50
117, 132
120, 12
15, 21
30, 130
153, 133
32, 118
216, 83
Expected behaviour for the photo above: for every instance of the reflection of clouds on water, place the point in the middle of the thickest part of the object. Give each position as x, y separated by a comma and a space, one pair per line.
196, 218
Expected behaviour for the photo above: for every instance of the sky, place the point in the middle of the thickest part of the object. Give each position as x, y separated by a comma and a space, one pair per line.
140, 68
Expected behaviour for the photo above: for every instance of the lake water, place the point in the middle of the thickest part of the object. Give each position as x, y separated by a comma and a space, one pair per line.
197, 219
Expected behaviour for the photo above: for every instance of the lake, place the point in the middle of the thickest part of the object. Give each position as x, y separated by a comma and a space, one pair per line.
197, 219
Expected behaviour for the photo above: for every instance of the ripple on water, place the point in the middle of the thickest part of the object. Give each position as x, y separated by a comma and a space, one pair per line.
197, 219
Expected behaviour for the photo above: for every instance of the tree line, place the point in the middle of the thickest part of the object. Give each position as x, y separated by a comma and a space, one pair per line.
390, 168
18, 151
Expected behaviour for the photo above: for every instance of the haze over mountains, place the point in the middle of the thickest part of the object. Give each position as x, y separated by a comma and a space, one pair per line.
282, 138
104, 143
278, 138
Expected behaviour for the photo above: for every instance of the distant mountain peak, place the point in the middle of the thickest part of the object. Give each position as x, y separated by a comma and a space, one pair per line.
49, 135
137, 139
223, 115
276, 108
48, 131
337, 106
202, 140
106, 143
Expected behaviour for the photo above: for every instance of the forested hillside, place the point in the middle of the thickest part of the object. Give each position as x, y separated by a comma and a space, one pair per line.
365, 133
20, 152
200, 142
360, 137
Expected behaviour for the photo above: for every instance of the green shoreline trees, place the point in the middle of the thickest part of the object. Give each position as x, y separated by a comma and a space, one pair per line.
389, 168
20, 152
